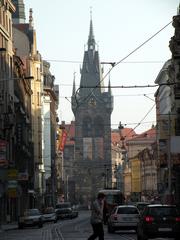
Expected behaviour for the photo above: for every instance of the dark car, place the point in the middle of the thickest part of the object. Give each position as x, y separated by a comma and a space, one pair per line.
31, 217
65, 210
123, 217
159, 220
141, 206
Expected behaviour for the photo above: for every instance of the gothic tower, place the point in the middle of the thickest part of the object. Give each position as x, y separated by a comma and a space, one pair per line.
19, 15
92, 107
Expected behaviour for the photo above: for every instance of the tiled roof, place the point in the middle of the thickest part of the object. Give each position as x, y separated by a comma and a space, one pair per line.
126, 133
149, 134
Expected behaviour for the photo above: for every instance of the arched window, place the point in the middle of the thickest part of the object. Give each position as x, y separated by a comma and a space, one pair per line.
98, 127
87, 127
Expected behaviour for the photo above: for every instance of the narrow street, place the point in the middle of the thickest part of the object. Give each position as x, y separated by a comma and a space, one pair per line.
78, 228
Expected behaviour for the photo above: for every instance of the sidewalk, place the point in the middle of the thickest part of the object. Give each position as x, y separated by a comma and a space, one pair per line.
8, 226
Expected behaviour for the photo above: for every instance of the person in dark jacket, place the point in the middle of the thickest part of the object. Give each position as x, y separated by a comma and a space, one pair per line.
97, 217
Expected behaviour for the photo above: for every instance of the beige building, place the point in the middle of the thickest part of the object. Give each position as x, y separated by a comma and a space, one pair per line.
24, 36
120, 164
142, 168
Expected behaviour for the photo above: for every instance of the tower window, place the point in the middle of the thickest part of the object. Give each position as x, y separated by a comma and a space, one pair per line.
87, 127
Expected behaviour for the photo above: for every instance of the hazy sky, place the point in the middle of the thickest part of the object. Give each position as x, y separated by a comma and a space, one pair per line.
120, 26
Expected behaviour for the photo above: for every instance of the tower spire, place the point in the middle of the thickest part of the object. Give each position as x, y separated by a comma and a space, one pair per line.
19, 15
91, 39
74, 85
31, 23
109, 85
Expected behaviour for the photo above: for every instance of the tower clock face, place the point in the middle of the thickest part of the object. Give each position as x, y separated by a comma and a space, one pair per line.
92, 102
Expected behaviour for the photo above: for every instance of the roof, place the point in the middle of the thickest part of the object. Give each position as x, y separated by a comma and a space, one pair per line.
149, 134
70, 129
126, 133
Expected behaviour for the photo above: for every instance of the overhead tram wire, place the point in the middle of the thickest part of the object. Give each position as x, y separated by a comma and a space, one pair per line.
138, 124
125, 62
115, 64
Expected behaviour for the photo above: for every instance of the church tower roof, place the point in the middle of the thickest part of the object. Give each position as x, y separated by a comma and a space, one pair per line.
74, 85
91, 39
91, 72
19, 15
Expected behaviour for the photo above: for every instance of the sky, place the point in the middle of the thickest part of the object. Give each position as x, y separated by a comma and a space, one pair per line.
124, 33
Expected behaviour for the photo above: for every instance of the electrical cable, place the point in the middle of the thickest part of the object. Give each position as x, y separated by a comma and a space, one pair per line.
115, 64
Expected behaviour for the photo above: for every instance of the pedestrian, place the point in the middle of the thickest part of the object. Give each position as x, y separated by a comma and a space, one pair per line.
97, 217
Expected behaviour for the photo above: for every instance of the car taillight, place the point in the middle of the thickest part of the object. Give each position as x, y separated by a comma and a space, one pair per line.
177, 219
148, 219
115, 217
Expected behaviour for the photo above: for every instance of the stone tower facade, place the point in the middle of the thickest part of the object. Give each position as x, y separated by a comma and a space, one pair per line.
92, 107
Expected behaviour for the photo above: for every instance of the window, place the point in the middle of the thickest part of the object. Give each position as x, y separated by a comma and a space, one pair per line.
87, 127
99, 127
127, 210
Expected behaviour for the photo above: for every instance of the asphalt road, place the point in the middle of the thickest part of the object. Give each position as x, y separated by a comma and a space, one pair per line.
70, 229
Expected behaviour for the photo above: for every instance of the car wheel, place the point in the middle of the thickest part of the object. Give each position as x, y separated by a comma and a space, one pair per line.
20, 226
110, 229
144, 237
55, 221
138, 237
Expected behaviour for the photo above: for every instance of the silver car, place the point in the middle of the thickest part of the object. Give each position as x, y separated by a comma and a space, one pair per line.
31, 217
123, 217
49, 215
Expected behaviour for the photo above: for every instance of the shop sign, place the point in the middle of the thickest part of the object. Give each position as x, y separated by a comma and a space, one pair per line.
12, 174
12, 193
12, 184
3, 154
23, 176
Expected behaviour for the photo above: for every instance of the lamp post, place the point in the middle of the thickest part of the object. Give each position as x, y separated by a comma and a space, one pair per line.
124, 153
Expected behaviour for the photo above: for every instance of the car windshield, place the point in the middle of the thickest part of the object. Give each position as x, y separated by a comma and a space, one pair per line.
49, 210
31, 212
63, 205
163, 211
127, 210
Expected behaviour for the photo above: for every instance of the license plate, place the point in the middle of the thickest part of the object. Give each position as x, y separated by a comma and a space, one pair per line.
29, 221
127, 219
164, 229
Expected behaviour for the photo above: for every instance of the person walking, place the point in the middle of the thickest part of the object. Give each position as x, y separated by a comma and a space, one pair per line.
97, 217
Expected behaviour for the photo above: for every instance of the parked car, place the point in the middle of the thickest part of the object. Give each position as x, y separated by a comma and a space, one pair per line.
123, 217
159, 220
65, 210
49, 215
141, 206
31, 217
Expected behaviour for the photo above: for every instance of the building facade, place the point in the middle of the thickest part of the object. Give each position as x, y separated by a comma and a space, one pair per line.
141, 166
7, 120
49, 126
168, 118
